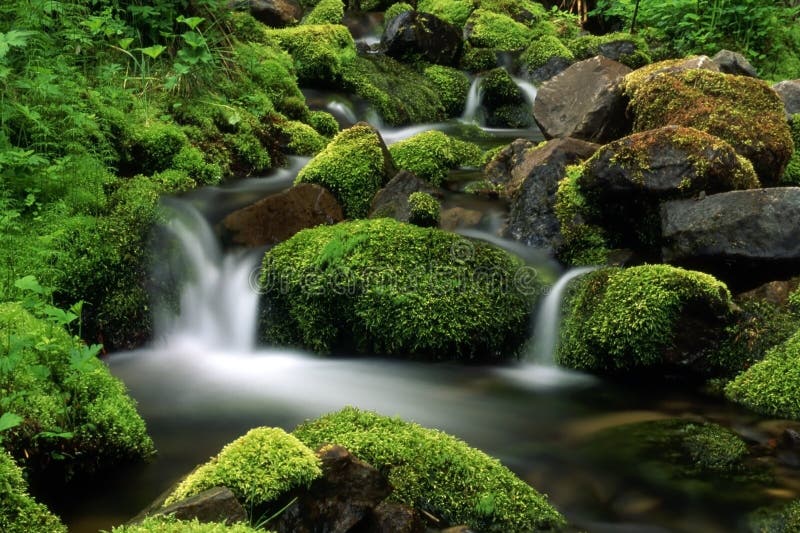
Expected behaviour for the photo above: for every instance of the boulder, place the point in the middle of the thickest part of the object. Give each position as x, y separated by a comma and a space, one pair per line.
744, 237
646, 73
789, 91
275, 13
734, 63
585, 101
414, 35
498, 169
390, 517
392, 200
532, 184
277, 217
217, 504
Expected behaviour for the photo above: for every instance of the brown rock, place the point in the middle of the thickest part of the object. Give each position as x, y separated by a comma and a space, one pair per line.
390, 517
774, 292
392, 200
276, 218
275, 13
459, 217
213, 505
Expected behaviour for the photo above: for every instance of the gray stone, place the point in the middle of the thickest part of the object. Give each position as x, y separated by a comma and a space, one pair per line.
585, 101
392, 200
417, 35
734, 63
554, 66
789, 91
217, 504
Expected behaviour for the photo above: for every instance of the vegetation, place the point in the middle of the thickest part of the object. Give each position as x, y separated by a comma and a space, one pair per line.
497, 31
168, 524
584, 243
395, 10
383, 287
436, 473
423, 210
792, 174
431, 154
451, 85
455, 12
326, 12
782, 520
542, 50
19, 513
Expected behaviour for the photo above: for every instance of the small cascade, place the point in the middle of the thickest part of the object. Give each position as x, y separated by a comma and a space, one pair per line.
342, 111
548, 319
528, 90
218, 303
474, 99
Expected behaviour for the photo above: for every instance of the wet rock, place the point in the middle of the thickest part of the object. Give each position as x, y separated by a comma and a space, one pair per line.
422, 36
276, 218
742, 237
275, 13
392, 200
734, 63
585, 101
532, 185
789, 91
498, 170
390, 517
642, 75
774, 292
553, 67
459, 217
218, 504
345, 495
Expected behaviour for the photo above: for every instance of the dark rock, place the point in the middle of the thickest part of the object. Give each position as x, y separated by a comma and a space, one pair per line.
742, 237
213, 505
617, 50
391, 517
498, 170
554, 66
532, 187
345, 495
585, 101
392, 200
276, 218
789, 91
275, 13
734, 63
415, 35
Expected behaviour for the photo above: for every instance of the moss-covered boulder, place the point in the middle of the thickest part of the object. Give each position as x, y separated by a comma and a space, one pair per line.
771, 386
504, 102
325, 12
383, 287
437, 473
487, 29
785, 519
71, 407
258, 467
452, 86
651, 319
743, 111
455, 12
792, 174
431, 154
320, 51
630, 50
423, 210
353, 166
19, 512
544, 58
169, 524
419, 36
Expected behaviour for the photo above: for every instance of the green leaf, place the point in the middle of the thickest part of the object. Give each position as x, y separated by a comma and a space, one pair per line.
194, 39
125, 43
192, 22
13, 39
153, 51
9, 420
29, 283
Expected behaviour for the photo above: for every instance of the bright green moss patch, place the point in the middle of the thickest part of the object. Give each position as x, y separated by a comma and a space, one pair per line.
785, 519
485, 29
383, 287
771, 386
324, 123
584, 243
431, 154
635, 52
258, 468
352, 166
396, 9
527, 12
622, 320
792, 174
434, 472
325, 12
423, 210
19, 512
302, 138
455, 12
452, 86
154, 146
542, 50
168, 524
320, 51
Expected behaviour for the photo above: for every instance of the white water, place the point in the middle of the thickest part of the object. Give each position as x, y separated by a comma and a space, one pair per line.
528, 90
474, 99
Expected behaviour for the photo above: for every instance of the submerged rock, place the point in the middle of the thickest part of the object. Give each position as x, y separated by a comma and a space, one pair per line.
415, 36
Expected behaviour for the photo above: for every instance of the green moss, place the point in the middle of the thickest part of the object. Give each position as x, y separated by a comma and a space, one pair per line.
57, 385
191, 161
431, 154
478, 59
19, 512
423, 210
541, 50
785, 519
527, 12
455, 12
352, 166
771, 386
622, 320
258, 467
499, 89
154, 146
792, 174
497, 31
396, 9
587, 46
451, 85
743, 111
325, 12
169, 524
583, 242
324, 123
303, 139
265, 69
320, 51
383, 287
484, 187
435, 472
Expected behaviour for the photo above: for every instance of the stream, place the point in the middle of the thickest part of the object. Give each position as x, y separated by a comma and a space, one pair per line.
203, 382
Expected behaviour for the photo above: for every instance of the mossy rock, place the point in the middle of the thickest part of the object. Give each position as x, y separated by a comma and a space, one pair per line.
302, 139
19, 512
785, 519
455, 12
423, 210
435, 472
398, 8
324, 123
542, 51
504, 102
258, 468
583, 241
325, 12
170, 524
320, 51
527, 12
353, 166
647, 320
154, 146
792, 174
771, 386
630, 50
486, 29
741, 110
384, 287
432, 154
98, 422
452, 86
476, 59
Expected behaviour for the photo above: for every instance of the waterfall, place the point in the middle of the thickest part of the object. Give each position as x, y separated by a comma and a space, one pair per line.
218, 303
528, 90
474, 99
548, 319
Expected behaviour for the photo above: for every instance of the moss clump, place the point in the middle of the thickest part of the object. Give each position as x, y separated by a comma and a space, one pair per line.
258, 467
325, 12
771, 386
170, 524
743, 111
302, 138
455, 12
785, 519
478, 59
352, 166
324, 123
527, 12
434, 472
452, 86
191, 161
542, 50
383, 287
623, 320
320, 51
584, 243
58, 386
396, 9
792, 174
431, 154
635, 52
19, 512
485, 29
154, 146
423, 210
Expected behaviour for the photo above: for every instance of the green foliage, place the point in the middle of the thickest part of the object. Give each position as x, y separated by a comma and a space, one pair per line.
423, 210
352, 166
451, 85
771, 386
497, 31
258, 467
303, 139
170, 524
586, 46
320, 52
541, 50
622, 320
431, 154
455, 12
324, 123
792, 174
326, 12
396, 9
785, 519
383, 287
435, 472
19, 512
583, 242
154, 146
